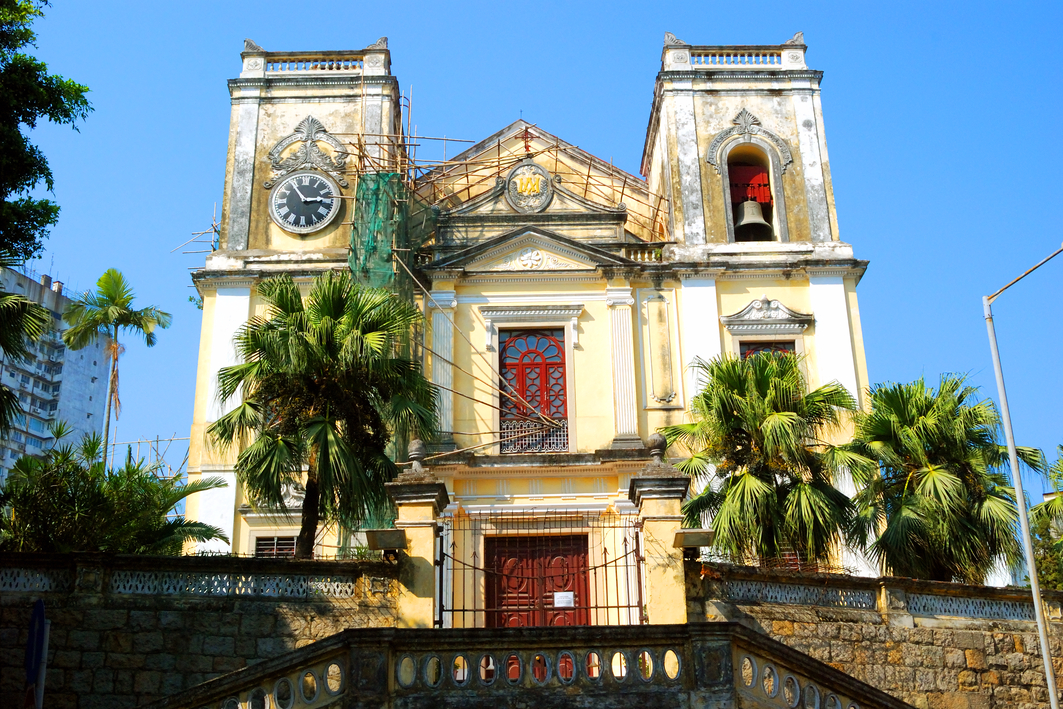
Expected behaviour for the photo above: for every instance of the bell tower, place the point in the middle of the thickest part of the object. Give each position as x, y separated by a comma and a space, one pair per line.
736, 141
298, 124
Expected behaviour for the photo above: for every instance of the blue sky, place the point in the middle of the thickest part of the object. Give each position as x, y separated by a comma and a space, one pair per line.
942, 121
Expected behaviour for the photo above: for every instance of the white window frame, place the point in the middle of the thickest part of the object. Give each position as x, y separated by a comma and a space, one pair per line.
531, 317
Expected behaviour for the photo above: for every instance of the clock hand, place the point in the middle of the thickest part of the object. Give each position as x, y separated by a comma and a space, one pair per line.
299, 193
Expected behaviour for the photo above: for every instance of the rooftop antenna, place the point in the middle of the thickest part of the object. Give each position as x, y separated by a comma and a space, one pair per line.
215, 235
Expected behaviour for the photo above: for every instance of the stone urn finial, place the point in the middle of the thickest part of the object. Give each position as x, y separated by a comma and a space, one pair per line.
657, 444
416, 453
658, 467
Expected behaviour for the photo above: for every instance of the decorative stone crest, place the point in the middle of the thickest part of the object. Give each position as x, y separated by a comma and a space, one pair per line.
532, 259
381, 43
766, 317
309, 132
670, 40
746, 124
529, 188
798, 38
250, 46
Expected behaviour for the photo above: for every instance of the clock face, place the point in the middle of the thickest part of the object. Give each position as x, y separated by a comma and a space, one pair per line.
304, 202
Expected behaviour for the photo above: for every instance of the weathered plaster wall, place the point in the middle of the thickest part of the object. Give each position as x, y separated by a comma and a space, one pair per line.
929, 661
111, 650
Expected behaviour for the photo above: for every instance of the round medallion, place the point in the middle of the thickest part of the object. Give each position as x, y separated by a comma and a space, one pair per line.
304, 202
528, 188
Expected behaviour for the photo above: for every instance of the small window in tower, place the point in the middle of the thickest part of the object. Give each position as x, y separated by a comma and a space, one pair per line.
752, 205
746, 349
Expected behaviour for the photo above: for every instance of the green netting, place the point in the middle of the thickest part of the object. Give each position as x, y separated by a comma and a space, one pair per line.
389, 224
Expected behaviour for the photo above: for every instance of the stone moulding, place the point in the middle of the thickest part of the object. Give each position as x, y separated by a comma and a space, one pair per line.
766, 317
309, 132
746, 124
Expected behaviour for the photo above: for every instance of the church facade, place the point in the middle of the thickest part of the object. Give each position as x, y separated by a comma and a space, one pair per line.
564, 301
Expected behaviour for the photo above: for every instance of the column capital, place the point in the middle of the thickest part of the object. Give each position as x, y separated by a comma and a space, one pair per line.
618, 295
443, 299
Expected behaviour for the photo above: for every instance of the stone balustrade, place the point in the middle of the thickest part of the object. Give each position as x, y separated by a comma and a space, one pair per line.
719, 664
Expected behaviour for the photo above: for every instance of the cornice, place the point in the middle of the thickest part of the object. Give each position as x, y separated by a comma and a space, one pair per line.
316, 80
693, 74
611, 218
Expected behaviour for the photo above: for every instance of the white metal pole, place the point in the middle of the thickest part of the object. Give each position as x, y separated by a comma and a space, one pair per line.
1020, 499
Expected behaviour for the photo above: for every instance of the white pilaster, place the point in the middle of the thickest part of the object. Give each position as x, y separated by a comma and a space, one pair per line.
232, 306
625, 403
835, 361
808, 140
686, 139
217, 507
243, 176
700, 327
443, 304
834, 343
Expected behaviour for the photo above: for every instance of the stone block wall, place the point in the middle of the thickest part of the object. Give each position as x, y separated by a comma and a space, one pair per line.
128, 630
933, 645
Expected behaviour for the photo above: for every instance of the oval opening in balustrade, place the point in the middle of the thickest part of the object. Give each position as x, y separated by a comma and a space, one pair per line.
334, 678
748, 671
619, 666
833, 702
594, 666
308, 687
513, 669
770, 683
811, 695
433, 671
406, 672
459, 671
645, 665
540, 669
566, 667
231, 703
284, 694
256, 699
791, 691
488, 670
854, 705
671, 665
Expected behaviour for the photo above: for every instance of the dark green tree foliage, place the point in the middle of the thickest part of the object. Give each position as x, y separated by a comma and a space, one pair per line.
758, 444
326, 385
70, 502
28, 94
1046, 527
934, 499
21, 321
104, 314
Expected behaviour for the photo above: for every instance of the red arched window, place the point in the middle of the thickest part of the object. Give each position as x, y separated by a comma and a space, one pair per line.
533, 368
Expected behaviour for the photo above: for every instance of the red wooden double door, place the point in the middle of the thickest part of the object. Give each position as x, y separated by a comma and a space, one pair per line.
537, 581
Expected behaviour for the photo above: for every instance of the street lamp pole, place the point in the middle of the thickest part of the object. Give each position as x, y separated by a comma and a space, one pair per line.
1020, 497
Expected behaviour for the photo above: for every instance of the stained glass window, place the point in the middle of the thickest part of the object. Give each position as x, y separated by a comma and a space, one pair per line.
533, 370
749, 348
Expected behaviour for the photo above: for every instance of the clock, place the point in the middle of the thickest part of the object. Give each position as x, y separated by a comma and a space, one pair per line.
304, 202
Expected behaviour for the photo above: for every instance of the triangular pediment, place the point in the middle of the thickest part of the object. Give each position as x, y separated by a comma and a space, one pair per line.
524, 173
530, 249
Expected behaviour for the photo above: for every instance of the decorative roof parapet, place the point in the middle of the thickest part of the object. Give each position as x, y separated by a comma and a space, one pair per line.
680, 56
766, 317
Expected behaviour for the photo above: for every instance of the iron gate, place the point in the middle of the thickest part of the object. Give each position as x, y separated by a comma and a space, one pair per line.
537, 568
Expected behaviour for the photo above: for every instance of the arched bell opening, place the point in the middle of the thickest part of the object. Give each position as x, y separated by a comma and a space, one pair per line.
750, 192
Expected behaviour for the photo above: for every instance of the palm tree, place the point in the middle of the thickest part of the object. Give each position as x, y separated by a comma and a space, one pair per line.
757, 446
106, 313
69, 501
933, 499
21, 321
325, 389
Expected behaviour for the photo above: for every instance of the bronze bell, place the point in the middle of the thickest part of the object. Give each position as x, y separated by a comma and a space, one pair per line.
750, 224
